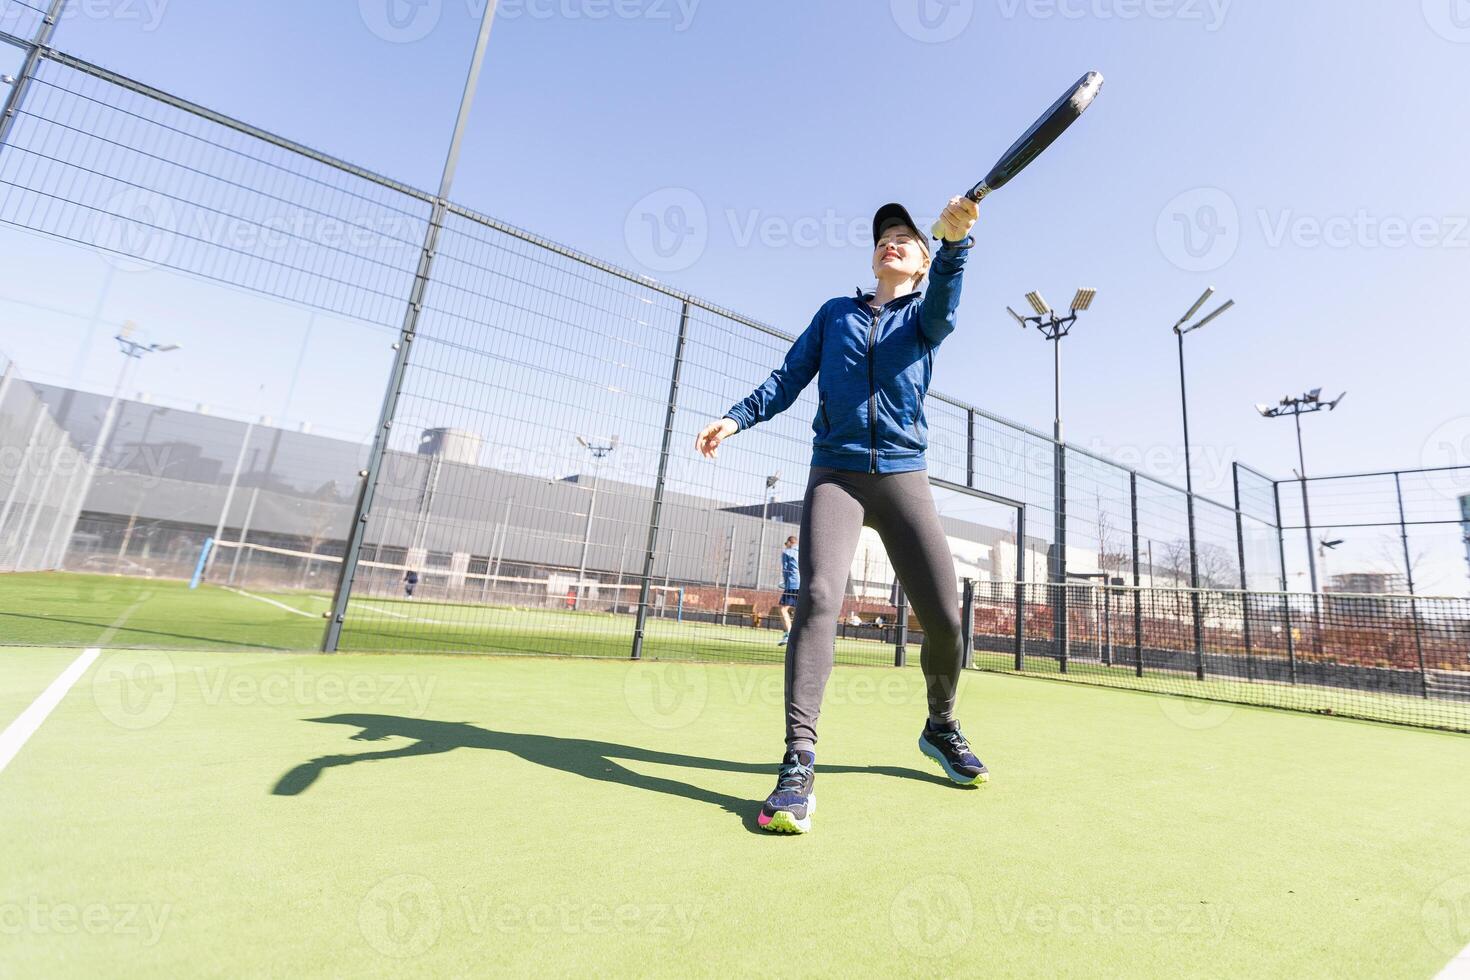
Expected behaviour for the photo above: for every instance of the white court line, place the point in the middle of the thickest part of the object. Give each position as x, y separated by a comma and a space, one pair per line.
278, 605
25, 726
395, 615
388, 612
1458, 968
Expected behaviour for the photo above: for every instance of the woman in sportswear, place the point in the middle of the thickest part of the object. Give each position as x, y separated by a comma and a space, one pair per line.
874, 357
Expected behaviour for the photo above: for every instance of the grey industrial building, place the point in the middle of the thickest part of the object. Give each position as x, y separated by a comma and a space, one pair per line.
168, 475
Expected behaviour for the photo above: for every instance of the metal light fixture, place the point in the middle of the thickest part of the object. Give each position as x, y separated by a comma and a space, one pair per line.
1296, 408
1038, 304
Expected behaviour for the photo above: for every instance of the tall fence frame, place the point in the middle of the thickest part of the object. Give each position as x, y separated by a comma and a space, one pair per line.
1141, 503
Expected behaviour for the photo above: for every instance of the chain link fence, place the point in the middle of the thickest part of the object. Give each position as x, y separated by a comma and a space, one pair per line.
509, 463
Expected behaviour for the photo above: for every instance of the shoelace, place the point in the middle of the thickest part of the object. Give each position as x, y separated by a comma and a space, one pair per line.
956, 740
793, 777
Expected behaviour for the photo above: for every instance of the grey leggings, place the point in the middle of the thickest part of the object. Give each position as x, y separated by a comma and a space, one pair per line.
900, 507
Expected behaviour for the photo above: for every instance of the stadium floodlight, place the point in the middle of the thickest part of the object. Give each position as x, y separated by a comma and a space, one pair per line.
1264, 409
1180, 327
1296, 408
1038, 304
1204, 298
1225, 306
1083, 300
1018, 317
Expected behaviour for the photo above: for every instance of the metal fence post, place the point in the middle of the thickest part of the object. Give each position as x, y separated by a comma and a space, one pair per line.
338, 614
1245, 599
1285, 593
1137, 578
357, 531
967, 624
1398, 490
901, 630
969, 447
1021, 588
655, 513
1058, 568
34, 54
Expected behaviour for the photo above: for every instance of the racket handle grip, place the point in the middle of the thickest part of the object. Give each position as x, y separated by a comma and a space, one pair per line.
976, 194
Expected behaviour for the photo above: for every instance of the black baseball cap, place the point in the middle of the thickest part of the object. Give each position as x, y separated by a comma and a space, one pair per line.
891, 214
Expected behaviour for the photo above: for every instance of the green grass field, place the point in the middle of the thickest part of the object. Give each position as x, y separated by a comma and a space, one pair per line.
95, 610
187, 812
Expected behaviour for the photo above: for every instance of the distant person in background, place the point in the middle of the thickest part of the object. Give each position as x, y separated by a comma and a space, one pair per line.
790, 586
410, 580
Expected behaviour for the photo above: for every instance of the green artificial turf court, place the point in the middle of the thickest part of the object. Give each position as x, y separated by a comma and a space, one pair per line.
64, 609
202, 812
70, 610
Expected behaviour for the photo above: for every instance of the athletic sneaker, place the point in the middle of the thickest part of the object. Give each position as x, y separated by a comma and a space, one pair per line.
789, 809
947, 746
784, 638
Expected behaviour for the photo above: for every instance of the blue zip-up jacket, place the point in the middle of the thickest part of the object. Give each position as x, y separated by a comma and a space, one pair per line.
874, 373
790, 570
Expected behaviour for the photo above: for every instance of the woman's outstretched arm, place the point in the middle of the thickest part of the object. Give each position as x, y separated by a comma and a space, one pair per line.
786, 382
946, 274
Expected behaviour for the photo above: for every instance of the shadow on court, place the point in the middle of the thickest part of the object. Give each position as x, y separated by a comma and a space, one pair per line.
578, 756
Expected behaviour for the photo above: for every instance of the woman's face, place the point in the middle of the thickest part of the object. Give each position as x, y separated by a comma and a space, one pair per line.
898, 254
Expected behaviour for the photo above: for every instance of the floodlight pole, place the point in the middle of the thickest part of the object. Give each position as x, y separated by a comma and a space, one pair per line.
1053, 328
1301, 460
760, 548
132, 352
1296, 407
599, 452
1199, 638
1180, 329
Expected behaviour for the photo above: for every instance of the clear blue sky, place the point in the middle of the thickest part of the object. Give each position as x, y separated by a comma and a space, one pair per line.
784, 119
1308, 163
